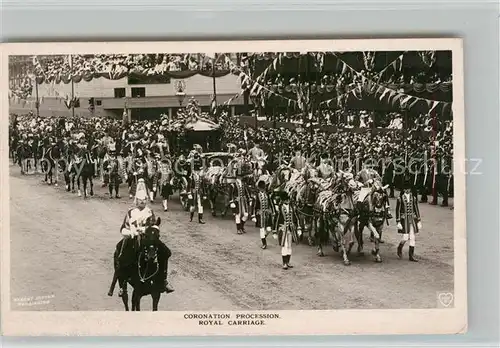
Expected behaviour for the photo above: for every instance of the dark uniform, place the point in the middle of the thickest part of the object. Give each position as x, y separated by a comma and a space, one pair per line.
195, 189
263, 207
408, 219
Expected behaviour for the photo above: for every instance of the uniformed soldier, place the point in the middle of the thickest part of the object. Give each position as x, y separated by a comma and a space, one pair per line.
115, 171
408, 219
287, 234
195, 188
264, 214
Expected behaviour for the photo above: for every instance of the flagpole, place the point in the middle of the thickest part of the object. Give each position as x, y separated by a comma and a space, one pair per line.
37, 105
214, 82
72, 87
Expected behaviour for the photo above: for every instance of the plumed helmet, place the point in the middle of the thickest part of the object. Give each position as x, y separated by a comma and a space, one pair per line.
141, 193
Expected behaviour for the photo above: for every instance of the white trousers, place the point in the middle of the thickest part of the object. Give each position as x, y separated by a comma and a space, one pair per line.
409, 236
286, 249
198, 204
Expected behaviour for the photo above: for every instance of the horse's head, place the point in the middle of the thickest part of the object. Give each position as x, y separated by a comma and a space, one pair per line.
378, 199
151, 237
312, 190
285, 174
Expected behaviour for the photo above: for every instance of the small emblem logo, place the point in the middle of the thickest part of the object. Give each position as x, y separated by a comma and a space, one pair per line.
445, 299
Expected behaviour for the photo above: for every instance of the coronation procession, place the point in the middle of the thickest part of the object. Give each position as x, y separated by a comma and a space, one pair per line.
324, 182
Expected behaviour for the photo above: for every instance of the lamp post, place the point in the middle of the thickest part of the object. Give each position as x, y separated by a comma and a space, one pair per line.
180, 88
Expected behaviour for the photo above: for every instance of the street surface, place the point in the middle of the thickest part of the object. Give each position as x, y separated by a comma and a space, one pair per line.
62, 247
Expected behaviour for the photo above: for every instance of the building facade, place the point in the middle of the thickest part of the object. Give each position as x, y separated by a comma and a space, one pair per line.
142, 99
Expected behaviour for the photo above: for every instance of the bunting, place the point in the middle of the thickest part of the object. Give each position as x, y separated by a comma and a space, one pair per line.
405, 100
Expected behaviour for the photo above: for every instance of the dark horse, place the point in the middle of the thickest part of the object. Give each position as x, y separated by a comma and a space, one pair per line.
141, 263
82, 167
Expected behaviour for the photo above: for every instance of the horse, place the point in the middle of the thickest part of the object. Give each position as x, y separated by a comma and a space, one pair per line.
141, 264
216, 186
279, 179
341, 217
366, 209
260, 167
375, 223
51, 162
23, 156
82, 168
305, 198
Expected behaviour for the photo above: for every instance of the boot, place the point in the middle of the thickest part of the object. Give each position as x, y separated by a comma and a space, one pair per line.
285, 265
400, 250
380, 240
388, 214
110, 189
264, 243
288, 257
191, 216
238, 229
166, 286
200, 218
423, 199
117, 195
411, 255
445, 203
242, 227
165, 205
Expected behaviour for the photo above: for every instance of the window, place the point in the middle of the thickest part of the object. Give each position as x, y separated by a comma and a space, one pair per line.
98, 102
135, 79
138, 92
119, 92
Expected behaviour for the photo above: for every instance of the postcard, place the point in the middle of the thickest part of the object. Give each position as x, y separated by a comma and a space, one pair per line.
288, 187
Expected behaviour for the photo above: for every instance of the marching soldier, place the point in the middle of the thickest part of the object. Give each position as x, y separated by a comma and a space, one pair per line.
115, 170
287, 234
263, 209
240, 202
408, 219
165, 181
195, 188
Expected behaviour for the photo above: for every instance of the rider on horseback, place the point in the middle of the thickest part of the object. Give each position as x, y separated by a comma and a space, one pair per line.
325, 169
372, 182
135, 223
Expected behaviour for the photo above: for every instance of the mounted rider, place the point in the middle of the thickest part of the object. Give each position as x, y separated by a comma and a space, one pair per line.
371, 181
134, 224
325, 169
299, 161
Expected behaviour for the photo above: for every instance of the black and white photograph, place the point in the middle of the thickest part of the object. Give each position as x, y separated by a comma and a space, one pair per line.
234, 183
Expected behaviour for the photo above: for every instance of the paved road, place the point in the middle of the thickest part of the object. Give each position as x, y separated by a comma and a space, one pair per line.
62, 245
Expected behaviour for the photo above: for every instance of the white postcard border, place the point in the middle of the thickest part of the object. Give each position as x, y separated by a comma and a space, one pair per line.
399, 321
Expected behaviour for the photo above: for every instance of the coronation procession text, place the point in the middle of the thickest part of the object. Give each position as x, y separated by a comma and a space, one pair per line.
226, 319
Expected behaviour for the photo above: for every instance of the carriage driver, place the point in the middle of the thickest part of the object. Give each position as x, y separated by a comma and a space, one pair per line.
371, 181
134, 224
